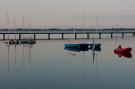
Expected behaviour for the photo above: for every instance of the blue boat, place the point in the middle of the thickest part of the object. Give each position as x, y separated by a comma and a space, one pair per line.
79, 45
76, 49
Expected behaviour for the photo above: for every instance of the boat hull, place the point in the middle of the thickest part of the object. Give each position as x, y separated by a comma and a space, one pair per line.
76, 49
79, 46
127, 55
123, 50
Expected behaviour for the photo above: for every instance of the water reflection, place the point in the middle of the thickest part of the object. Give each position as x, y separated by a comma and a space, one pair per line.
83, 54
15, 61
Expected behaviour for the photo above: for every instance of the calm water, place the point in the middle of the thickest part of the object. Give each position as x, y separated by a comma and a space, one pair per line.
46, 65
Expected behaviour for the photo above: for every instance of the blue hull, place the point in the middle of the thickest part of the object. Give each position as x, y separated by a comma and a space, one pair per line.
76, 49
81, 46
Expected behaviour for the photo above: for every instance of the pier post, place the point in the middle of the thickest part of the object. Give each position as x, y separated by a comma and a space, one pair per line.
99, 35
34, 36
122, 35
88, 35
75, 35
133, 34
3, 36
19, 36
48, 36
111, 35
62, 35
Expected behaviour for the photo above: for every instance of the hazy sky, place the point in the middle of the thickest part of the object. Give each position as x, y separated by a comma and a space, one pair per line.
68, 13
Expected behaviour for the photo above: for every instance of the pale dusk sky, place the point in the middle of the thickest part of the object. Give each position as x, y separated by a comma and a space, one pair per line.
68, 13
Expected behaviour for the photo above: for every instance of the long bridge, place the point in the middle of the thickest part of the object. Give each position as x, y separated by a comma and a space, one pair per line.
62, 32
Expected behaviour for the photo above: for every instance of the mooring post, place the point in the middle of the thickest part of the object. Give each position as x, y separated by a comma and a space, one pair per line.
111, 35
48, 36
19, 36
3, 36
34, 36
122, 35
62, 35
88, 35
75, 35
99, 35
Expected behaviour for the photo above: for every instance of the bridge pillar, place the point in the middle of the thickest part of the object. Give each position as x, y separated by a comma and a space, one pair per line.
48, 36
34, 36
62, 35
99, 35
88, 35
122, 35
3, 36
75, 35
19, 36
111, 35
133, 34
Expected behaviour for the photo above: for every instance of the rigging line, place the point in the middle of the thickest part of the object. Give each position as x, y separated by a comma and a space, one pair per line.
8, 24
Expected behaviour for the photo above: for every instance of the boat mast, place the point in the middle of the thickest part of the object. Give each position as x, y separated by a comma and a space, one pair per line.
8, 24
83, 18
23, 26
29, 28
96, 24
15, 27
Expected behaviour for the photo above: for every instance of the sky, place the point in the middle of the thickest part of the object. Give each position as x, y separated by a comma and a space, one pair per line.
67, 13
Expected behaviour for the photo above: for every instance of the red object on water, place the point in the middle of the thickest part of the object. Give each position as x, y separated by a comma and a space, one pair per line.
122, 50
126, 52
127, 55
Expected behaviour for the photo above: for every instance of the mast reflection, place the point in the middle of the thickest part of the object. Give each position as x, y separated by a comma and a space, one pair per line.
14, 62
82, 68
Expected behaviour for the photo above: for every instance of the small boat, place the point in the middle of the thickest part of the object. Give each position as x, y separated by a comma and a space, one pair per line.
122, 50
12, 42
76, 49
127, 55
79, 45
27, 41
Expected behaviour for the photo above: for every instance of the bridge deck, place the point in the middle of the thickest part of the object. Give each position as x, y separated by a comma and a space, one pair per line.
66, 31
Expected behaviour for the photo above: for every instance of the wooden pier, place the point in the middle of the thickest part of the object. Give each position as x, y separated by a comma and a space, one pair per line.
62, 32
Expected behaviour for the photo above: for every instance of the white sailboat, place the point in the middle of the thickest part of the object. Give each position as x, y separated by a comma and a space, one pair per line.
78, 46
8, 41
95, 46
28, 41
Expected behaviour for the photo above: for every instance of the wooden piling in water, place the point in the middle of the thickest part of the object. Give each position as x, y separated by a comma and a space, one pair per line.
133, 34
75, 35
3, 36
19, 36
99, 35
122, 35
62, 35
111, 35
34, 36
88, 35
48, 36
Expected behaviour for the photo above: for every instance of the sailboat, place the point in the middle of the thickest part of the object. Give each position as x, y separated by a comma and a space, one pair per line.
95, 46
8, 41
28, 41
78, 46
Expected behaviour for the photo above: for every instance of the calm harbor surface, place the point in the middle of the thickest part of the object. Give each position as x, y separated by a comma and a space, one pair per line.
46, 65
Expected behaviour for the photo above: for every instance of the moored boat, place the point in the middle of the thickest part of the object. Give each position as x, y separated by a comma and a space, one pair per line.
127, 55
76, 49
79, 45
122, 50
